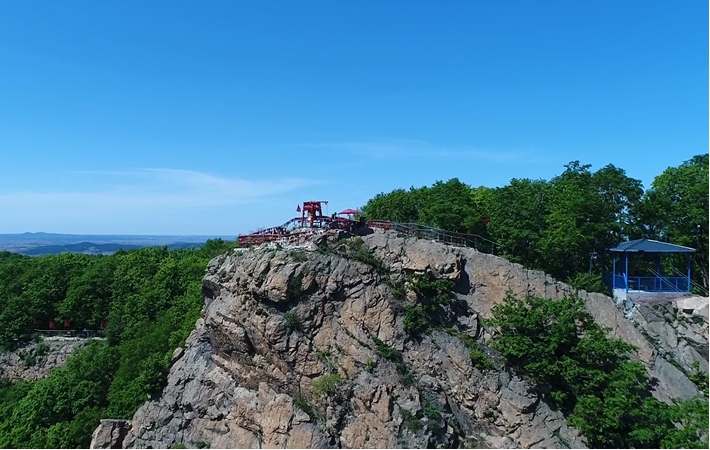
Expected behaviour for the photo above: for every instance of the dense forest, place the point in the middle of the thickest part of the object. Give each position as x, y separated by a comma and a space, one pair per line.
559, 225
149, 299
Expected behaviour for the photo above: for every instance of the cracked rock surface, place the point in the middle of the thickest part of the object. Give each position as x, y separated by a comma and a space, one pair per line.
16, 366
273, 324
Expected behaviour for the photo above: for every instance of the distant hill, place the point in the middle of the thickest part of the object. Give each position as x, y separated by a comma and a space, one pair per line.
91, 248
51, 243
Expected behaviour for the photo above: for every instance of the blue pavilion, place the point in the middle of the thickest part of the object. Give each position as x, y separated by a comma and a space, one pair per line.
622, 278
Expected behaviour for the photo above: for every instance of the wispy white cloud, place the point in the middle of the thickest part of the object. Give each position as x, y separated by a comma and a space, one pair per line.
400, 148
148, 190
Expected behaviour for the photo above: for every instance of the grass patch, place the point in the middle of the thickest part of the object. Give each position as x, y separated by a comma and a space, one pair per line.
292, 319
392, 354
370, 366
326, 385
355, 248
301, 403
415, 320
431, 412
328, 359
298, 255
478, 358
295, 287
410, 421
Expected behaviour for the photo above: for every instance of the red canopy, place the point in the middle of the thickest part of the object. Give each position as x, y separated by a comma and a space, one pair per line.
350, 211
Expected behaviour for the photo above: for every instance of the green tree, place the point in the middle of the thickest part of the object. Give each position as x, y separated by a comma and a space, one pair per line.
589, 376
451, 206
396, 206
517, 219
152, 298
88, 297
588, 212
677, 206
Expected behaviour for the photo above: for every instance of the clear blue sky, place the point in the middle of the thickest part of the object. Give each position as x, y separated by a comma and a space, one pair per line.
219, 117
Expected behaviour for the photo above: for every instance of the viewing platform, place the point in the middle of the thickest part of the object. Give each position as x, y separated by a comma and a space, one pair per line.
644, 255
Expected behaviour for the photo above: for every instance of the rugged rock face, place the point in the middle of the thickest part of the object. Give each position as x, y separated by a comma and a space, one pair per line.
36, 360
678, 331
286, 356
110, 433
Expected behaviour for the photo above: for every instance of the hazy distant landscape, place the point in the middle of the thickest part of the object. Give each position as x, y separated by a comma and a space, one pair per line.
36, 244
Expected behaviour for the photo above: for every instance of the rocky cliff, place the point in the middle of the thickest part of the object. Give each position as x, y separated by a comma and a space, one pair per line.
36, 360
307, 349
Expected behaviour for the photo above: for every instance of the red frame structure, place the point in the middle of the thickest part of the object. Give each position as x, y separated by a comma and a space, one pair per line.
311, 217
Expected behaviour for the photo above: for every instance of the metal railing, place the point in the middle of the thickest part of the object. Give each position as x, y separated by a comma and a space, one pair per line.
697, 286
650, 284
437, 234
285, 234
71, 333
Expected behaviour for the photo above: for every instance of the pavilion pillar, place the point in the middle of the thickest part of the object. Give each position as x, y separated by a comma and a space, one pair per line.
613, 273
688, 272
626, 275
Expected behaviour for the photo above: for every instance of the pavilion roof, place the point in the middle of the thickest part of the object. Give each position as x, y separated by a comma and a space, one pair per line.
649, 246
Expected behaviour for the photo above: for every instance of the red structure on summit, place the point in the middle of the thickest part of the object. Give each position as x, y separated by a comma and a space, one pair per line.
301, 230
313, 210
312, 217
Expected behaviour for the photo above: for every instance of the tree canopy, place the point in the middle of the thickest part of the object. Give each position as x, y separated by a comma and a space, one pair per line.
590, 378
558, 225
150, 299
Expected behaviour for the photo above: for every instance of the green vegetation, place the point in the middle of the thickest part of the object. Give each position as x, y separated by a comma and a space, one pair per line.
415, 321
392, 354
468, 443
590, 377
431, 412
37, 352
356, 249
432, 295
295, 287
588, 282
554, 225
399, 291
292, 319
326, 385
298, 255
370, 366
478, 358
433, 291
330, 361
410, 420
300, 402
150, 299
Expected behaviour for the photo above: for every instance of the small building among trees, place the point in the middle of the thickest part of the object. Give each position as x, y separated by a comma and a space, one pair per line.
648, 271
